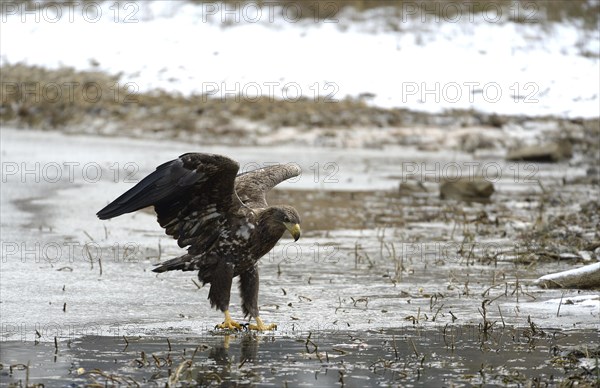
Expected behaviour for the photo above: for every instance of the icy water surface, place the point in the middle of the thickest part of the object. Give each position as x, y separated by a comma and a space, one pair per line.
407, 356
383, 288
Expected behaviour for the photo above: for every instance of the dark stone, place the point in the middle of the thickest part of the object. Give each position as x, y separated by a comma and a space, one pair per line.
467, 189
549, 152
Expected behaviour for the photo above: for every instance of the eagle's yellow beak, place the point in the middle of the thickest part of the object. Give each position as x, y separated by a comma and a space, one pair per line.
294, 230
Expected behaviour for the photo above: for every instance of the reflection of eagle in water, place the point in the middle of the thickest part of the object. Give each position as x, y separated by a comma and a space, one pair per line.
222, 217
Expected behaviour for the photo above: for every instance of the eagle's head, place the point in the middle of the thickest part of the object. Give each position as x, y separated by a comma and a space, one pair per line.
289, 217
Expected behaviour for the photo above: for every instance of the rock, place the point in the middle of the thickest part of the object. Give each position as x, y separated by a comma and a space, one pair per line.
586, 255
549, 152
583, 277
467, 189
568, 256
409, 188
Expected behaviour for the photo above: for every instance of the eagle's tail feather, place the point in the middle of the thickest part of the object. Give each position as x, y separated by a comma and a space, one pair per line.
182, 263
188, 262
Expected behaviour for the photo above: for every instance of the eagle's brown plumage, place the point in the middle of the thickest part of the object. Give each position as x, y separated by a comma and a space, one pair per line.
223, 218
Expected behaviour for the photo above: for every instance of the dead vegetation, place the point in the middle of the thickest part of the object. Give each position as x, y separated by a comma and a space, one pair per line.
96, 103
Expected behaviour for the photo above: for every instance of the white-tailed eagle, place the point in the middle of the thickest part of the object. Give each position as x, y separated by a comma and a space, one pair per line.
221, 216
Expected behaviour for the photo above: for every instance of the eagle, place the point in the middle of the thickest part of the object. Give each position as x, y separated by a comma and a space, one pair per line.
223, 219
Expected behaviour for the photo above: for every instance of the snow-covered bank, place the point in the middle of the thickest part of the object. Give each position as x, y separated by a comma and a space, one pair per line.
477, 62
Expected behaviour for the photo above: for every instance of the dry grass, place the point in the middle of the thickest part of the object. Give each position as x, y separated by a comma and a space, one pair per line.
97, 103
35, 97
539, 10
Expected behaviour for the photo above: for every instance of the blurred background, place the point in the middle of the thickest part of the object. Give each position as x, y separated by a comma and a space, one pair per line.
238, 72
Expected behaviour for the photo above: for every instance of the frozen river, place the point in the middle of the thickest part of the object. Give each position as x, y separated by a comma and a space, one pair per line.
65, 275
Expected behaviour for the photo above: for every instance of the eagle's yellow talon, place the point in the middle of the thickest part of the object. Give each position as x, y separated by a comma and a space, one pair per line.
260, 326
229, 324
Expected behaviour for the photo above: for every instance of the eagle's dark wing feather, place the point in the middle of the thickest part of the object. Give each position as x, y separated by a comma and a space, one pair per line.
252, 186
192, 195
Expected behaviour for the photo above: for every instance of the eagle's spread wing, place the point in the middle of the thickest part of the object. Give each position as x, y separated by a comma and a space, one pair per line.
252, 186
193, 197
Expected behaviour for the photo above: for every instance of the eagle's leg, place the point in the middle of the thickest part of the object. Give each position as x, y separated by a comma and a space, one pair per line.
220, 292
261, 326
229, 323
249, 292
